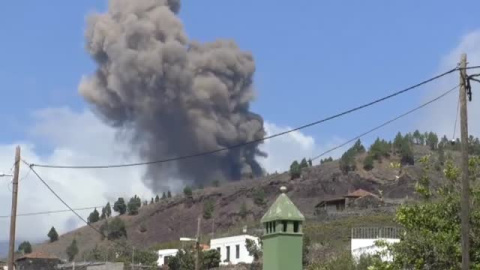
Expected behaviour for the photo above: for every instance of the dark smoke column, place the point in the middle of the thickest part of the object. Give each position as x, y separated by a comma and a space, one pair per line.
174, 97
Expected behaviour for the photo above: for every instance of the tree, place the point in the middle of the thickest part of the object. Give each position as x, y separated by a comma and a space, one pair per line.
133, 205
164, 196
103, 215
25, 247
208, 208
259, 197
243, 210
94, 216
152, 201
398, 141
108, 210
368, 163
432, 140
406, 153
187, 191
329, 159
211, 259
379, 149
53, 235
436, 245
185, 259
347, 161
72, 250
114, 230
253, 249
303, 164
358, 148
119, 206
295, 170
216, 183
157, 199
417, 137
310, 162
169, 194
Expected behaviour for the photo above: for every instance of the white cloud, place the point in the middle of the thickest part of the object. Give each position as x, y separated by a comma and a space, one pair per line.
76, 138
440, 116
282, 151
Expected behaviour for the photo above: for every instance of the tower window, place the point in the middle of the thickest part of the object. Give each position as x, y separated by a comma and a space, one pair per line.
284, 226
296, 226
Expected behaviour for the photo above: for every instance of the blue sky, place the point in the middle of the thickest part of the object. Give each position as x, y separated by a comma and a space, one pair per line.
313, 58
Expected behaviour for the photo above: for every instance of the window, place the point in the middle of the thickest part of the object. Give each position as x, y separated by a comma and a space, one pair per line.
237, 251
274, 226
295, 226
228, 254
284, 226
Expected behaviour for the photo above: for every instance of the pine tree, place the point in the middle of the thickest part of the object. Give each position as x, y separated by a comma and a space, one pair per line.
169, 194
108, 210
103, 215
151, 201
295, 170
120, 206
72, 250
133, 205
303, 164
53, 235
94, 216
157, 199
310, 162
187, 191
25, 247
164, 196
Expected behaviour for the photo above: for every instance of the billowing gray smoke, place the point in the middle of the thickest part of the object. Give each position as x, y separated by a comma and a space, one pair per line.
176, 97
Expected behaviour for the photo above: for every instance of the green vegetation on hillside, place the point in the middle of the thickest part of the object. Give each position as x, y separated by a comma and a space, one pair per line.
25, 247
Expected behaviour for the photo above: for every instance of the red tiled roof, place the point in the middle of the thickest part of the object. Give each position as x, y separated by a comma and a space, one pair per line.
36, 255
360, 193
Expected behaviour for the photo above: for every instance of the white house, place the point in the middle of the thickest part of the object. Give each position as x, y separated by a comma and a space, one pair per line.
233, 249
364, 241
164, 254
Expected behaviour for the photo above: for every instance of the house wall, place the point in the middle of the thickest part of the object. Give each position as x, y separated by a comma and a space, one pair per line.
163, 253
232, 243
36, 264
361, 247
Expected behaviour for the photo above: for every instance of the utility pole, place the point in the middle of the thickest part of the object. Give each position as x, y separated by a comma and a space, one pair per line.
133, 256
13, 217
465, 202
197, 261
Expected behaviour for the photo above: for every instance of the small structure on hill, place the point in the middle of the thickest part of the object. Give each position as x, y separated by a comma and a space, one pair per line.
358, 199
36, 261
364, 240
233, 249
283, 236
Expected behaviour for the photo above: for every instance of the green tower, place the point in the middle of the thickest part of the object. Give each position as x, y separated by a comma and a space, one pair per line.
282, 239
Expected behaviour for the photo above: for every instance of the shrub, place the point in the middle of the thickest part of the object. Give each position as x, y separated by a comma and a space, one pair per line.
208, 208
368, 163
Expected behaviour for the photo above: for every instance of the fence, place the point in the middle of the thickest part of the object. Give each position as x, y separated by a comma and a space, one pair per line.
377, 232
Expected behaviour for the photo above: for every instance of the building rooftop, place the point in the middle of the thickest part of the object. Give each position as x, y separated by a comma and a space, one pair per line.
360, 193
36, 255
283, 209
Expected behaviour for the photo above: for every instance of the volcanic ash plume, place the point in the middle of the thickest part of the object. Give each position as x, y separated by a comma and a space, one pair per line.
176, 97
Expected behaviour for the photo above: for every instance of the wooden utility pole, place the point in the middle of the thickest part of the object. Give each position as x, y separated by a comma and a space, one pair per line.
13, 217
465, 202
197, 245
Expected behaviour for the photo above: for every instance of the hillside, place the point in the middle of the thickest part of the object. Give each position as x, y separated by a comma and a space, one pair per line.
170, 219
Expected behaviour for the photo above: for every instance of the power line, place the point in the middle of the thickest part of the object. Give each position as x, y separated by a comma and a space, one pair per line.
51, 212
60, 199
386, 123
253, 141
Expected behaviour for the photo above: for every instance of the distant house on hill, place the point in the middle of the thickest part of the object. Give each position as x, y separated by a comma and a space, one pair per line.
36, 261
359, 198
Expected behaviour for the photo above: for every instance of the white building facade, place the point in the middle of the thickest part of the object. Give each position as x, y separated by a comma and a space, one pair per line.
364, 241
233, 249
164, 254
